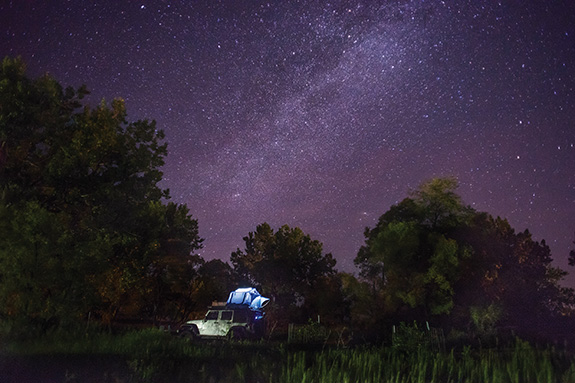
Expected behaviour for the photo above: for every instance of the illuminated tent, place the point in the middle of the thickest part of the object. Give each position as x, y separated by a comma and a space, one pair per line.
248, 296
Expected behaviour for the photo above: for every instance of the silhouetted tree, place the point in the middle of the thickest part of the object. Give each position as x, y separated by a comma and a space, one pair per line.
430, 256
410, 255
84, 228
286, 265
217, 280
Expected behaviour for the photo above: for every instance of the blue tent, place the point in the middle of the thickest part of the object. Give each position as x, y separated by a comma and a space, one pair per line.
248, 296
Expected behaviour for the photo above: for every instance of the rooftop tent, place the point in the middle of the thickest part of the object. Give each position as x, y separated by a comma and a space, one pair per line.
248, 296
259, 303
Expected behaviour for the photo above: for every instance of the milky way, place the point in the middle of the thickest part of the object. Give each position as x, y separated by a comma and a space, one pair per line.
323, 114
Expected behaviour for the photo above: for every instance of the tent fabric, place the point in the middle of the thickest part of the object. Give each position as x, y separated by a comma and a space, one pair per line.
248, 296
259, 303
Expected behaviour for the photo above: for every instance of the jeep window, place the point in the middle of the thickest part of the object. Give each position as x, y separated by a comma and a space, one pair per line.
226, 315
240, 317
212, 315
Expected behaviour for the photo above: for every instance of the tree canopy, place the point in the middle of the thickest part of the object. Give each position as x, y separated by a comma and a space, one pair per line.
288, 265
430, 256
85, 227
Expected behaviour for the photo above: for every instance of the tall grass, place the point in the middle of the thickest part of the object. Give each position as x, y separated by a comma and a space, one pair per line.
522, 363
154, 356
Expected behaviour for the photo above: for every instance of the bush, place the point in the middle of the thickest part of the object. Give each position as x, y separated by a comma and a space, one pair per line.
411, 338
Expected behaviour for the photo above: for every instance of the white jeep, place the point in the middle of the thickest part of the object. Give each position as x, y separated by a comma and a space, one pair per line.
225, 322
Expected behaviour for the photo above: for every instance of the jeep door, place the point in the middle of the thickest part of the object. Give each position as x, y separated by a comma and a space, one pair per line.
210, 324
226, 321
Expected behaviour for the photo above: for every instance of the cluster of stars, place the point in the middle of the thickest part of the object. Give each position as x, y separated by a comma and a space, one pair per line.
323, 115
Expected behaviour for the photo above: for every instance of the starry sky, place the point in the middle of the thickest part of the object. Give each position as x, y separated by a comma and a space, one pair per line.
323, 114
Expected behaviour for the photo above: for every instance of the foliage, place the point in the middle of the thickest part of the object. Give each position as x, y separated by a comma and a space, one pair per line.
410, 338
410, 255
287, 266
430, 256
311, 333
365, 305
84, 226
485, 320
215, 280
513, 272
151, 355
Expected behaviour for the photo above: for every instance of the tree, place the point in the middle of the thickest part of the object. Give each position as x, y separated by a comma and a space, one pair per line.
217, 280
432, 257
409, 253
512, 271
171, 269
286, 265
84, 225
438, 203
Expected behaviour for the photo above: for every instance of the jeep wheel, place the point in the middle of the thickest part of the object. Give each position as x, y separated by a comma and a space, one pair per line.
190, 334
236, 334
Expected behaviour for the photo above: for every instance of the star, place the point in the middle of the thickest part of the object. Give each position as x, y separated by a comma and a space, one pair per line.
323, 115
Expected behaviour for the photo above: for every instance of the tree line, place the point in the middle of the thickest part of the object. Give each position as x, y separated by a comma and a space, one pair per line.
86, 234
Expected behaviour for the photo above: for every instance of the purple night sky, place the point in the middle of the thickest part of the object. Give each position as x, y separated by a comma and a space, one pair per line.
322, 114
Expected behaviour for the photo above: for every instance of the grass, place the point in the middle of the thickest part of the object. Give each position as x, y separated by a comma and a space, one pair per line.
153, 356
523, 363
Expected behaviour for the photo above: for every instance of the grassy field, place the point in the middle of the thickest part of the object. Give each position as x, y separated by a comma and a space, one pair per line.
154, 356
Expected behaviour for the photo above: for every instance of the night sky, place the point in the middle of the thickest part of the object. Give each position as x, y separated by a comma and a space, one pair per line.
323, 114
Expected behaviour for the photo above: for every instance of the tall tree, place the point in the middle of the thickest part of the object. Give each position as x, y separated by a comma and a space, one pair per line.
286, 265
431, 256
512, 271
409, 253
439, 205
83, 222
216, 279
